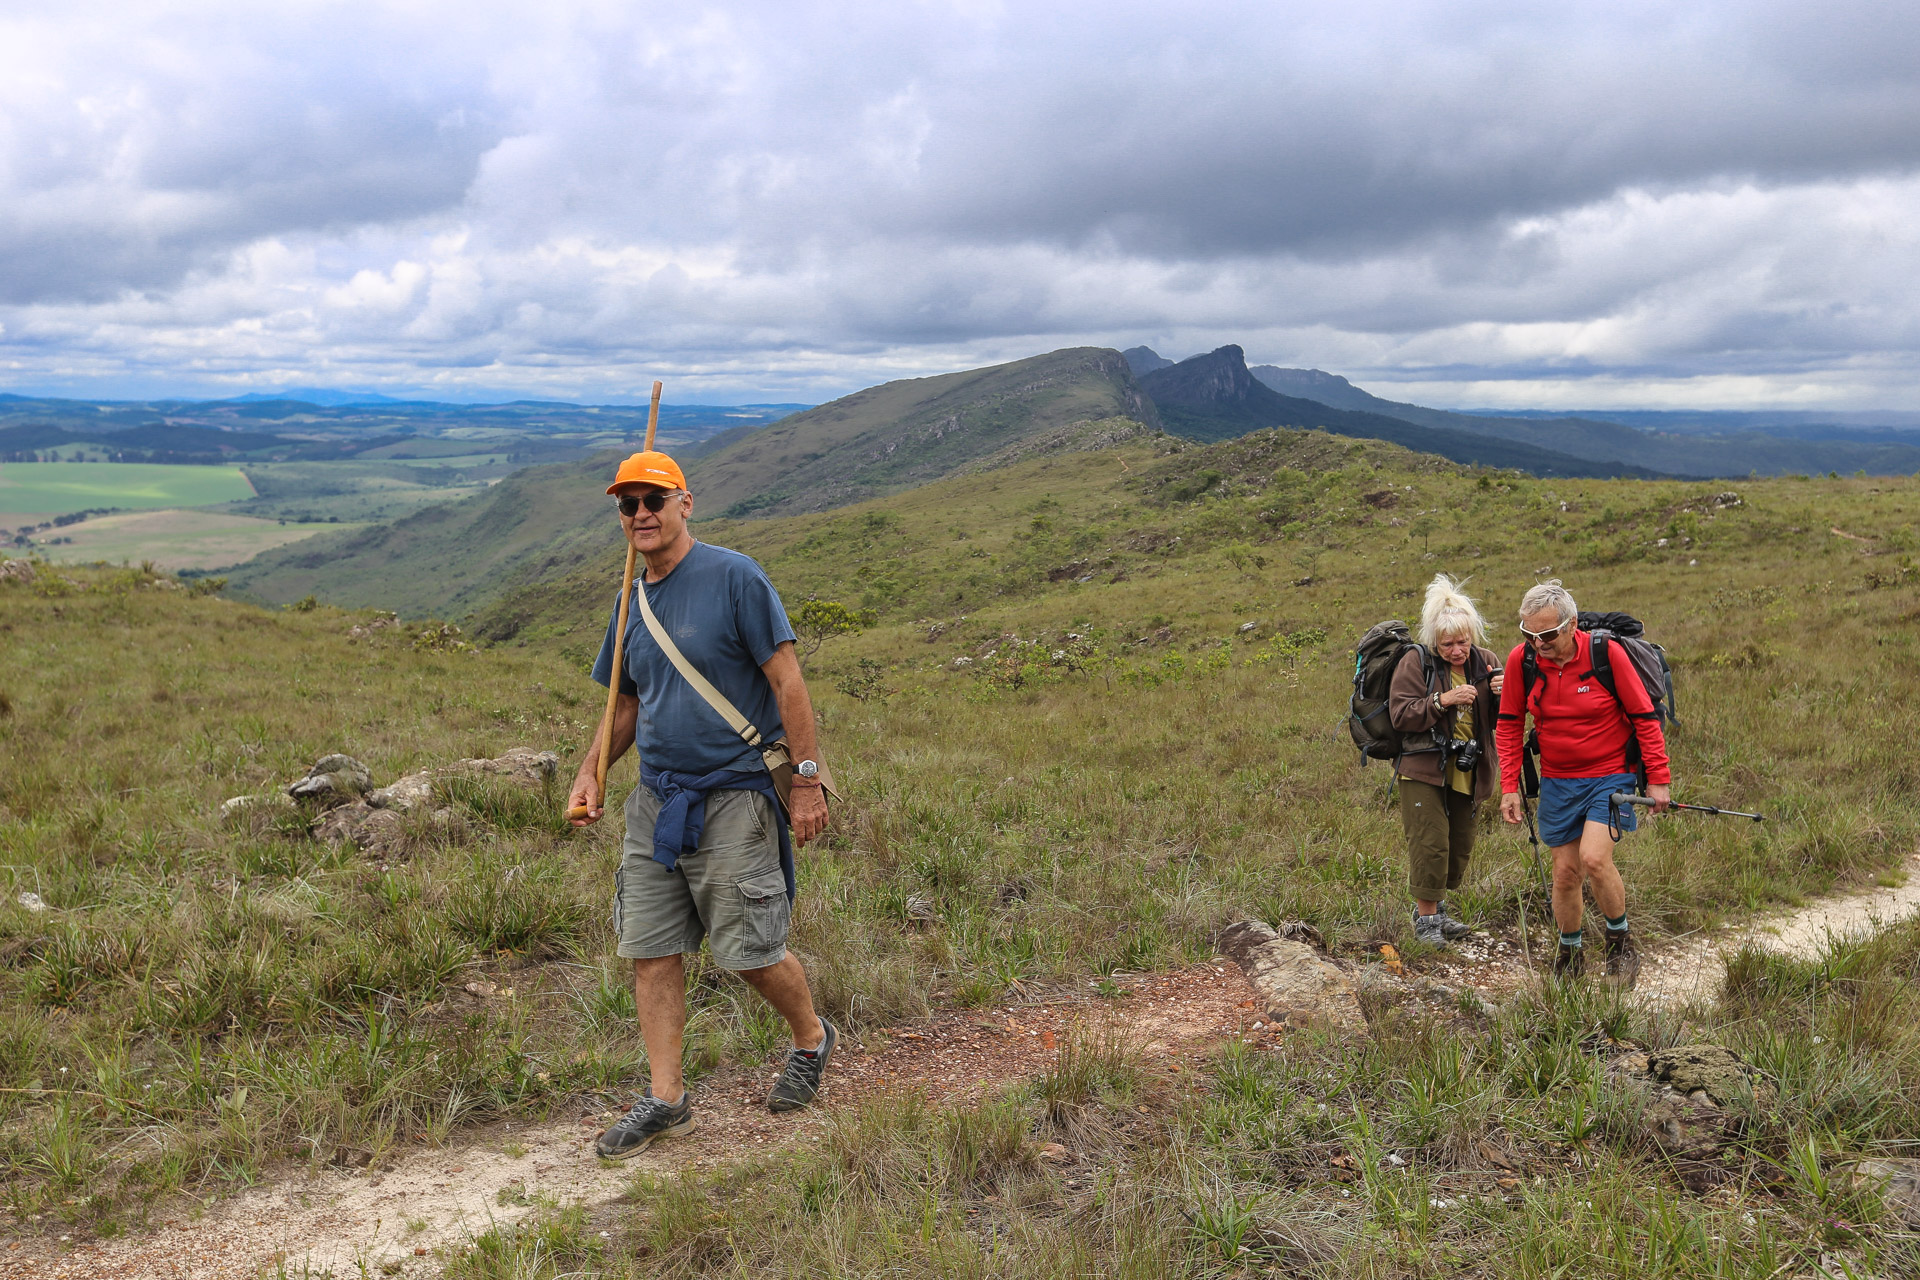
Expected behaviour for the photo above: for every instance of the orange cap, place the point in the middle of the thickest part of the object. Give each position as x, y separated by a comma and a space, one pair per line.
651, 467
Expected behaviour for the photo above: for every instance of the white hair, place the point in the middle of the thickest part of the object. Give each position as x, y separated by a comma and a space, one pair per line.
1548, 595
1450, 611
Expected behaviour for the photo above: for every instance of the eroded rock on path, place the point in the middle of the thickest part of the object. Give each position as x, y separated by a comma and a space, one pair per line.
1299, 986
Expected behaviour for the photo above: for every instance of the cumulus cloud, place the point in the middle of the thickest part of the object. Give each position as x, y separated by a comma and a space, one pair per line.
794, 199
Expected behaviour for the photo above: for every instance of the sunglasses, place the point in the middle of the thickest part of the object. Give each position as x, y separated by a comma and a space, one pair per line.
630, 503
1544, 637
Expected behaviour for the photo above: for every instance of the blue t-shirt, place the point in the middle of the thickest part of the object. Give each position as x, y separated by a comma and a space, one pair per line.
726, 619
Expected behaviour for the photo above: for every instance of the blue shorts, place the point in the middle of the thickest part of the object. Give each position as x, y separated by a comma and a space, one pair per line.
1567, 805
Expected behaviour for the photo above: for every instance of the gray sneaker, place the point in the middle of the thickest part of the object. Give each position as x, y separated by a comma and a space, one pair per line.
799, 1082
1430, 929
648, 1119
1453, 929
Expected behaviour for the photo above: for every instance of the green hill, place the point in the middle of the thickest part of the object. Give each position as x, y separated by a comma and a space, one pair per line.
902, 434
452, 559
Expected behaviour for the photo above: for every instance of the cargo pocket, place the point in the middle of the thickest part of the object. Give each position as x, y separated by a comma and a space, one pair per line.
763, 903
619, 891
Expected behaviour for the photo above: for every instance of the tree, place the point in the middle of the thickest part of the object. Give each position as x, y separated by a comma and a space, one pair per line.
819, 621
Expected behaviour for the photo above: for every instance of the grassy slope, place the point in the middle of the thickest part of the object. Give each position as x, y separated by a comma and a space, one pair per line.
446, 558
1135, 796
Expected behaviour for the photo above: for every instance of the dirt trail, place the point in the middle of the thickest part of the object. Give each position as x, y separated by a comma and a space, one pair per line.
1690, 969
392, 1220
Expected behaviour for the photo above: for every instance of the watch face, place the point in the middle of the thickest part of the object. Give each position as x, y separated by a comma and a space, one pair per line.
807, 769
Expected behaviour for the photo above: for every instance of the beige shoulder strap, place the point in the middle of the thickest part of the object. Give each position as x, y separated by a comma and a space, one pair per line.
701, 685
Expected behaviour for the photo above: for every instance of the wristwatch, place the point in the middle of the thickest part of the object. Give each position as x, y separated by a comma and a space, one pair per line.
807, 773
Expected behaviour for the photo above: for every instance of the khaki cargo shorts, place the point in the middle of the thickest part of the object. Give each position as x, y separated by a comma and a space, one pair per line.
729, 891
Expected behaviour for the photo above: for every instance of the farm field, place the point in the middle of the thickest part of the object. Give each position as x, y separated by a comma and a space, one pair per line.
356, 491
174, 539
1070, 760
55, 488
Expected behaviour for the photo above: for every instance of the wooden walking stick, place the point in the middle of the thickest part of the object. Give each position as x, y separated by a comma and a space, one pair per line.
619, 642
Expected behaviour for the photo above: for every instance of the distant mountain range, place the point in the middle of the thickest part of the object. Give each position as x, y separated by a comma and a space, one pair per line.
1144, 360
1216, 397
1730, 452
338, 414
317, 395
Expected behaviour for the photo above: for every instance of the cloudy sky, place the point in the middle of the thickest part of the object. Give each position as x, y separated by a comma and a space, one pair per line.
1556, 204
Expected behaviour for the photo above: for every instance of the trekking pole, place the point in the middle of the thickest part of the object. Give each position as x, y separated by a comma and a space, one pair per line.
1533, 851
1621, 797
619, 644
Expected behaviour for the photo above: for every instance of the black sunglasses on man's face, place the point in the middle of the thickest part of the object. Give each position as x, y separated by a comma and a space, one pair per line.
630, 503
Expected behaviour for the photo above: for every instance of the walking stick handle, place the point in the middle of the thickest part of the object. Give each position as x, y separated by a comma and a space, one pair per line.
619, 638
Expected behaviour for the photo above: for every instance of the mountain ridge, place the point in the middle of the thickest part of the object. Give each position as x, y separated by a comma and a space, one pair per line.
1215, 397
901, 434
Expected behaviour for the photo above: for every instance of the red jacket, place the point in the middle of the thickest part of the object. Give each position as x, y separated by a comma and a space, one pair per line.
1583, 731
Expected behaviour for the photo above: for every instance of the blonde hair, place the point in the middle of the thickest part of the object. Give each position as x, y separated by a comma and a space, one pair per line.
1450, 611
1548, 595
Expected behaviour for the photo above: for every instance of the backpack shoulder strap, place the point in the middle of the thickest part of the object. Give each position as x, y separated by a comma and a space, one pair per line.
1601, 655
701, 685
1529, 674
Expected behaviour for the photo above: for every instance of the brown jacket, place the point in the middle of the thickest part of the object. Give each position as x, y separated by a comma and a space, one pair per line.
1410, 708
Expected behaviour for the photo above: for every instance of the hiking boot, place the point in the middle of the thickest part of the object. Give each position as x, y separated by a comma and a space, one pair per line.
1570, 963
1431, 930
1453, 929
648, 1119
799, 1082
1623, 961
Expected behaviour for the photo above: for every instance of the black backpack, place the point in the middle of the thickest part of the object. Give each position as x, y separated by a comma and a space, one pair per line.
1375, 658
1647, 661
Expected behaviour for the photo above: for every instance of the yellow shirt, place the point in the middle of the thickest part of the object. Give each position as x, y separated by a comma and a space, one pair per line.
1458, 779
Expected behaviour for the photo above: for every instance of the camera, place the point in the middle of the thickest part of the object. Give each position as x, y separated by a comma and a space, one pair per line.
1465, 754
